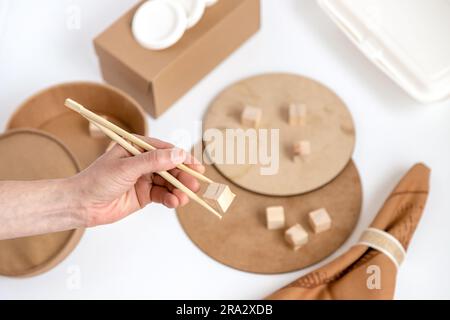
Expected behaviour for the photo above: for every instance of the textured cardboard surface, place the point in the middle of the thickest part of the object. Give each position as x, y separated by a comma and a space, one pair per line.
32, 155
156, 79
241, 239
46, 111
328, 127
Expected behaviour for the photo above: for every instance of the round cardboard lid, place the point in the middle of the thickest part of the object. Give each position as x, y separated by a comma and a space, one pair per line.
158, 24
242, 241
28, 154
329, 128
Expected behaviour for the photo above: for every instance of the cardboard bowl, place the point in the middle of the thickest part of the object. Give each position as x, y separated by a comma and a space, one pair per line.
45, 111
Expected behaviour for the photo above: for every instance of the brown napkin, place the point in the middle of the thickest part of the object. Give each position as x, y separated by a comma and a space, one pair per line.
347, 277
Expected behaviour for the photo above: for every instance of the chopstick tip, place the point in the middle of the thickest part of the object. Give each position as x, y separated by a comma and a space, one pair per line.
72, 104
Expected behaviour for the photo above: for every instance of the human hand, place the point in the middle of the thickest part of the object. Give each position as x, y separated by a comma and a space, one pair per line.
118, 184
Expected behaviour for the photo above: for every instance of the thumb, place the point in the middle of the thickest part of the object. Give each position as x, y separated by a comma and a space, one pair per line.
155, 160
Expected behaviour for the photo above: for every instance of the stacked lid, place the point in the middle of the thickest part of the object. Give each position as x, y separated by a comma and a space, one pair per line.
159, 24
327, 177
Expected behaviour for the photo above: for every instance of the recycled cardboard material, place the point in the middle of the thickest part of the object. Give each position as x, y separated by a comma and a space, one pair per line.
32, 155
156, 79
46, 111
241, 239
328, 127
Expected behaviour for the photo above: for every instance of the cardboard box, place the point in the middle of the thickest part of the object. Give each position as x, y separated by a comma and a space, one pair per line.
156, 79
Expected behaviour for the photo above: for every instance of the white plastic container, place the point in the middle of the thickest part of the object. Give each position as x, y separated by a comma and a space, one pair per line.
408, 39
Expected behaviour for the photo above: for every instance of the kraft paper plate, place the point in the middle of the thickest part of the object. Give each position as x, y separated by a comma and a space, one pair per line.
33, 155
329, 127
46, 111
242, 241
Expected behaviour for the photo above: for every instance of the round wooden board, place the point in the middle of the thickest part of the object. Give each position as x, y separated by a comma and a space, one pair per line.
242, 241
31, 155
329, 127
46, 111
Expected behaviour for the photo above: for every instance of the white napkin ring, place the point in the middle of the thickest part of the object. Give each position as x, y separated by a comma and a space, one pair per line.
385, 243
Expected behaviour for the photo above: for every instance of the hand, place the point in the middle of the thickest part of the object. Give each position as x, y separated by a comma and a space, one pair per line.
118, 184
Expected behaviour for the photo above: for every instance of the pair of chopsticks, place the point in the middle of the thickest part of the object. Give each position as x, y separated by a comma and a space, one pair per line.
121, 136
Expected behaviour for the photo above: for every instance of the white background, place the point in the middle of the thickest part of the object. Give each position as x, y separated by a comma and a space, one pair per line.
148, 255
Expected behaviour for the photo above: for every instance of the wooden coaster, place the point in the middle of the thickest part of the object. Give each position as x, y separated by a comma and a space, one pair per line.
46, 111
329, 129
33, 155
242, 241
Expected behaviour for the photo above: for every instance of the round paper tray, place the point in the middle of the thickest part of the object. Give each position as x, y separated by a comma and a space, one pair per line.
329, 128
242, 241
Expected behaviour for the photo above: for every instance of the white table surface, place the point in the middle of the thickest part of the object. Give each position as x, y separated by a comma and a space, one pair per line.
148, 255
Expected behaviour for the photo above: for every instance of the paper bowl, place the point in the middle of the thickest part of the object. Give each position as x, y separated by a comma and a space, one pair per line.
45, 111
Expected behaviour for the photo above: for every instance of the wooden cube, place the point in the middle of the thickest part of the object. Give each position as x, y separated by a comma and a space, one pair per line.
251, 116
219, 196
320, 220
94, 131
297, 114
296, 236
275, 217
301, 149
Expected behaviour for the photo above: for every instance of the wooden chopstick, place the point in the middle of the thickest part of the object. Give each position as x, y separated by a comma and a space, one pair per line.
130, 137
167, 176
118, 134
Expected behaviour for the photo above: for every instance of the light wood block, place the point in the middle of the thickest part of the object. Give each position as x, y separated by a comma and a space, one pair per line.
297, 114
251, 116
219, 196
296, 236
275, 217
301, 149
320, 220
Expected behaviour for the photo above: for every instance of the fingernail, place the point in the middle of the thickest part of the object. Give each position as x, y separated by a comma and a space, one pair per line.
177, 156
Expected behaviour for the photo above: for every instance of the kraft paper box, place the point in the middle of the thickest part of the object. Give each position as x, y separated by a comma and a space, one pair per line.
156, 79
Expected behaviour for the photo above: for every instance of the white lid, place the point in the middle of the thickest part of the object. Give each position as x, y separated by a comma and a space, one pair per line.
158, 24
194, 10
407, 39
